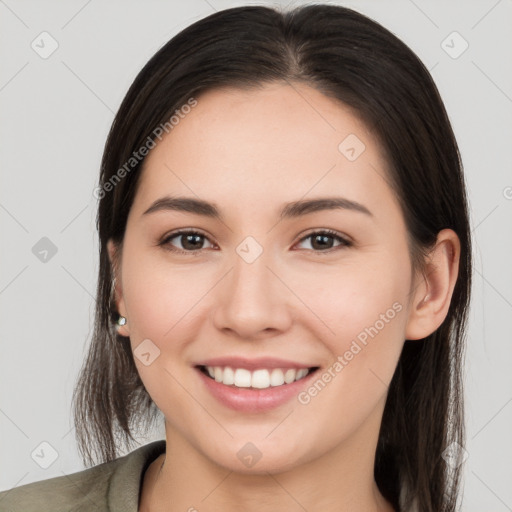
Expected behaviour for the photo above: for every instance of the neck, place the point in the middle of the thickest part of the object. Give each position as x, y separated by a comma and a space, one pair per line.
340, 480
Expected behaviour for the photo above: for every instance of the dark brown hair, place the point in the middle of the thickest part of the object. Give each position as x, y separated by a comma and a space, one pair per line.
353, 59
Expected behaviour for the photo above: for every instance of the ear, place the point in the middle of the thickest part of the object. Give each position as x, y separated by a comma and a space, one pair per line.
114, 257
433, 291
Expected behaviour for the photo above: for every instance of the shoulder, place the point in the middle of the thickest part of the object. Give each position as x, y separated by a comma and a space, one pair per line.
112, 485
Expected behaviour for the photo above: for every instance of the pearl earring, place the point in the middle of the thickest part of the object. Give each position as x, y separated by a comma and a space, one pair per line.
121, 321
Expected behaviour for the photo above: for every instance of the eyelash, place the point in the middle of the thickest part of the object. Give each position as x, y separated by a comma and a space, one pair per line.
165, 242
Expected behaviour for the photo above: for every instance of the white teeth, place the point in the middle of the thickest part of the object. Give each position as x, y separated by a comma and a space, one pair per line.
242, 378
259, 379
301, 373
276, 377
229, 376
289, 376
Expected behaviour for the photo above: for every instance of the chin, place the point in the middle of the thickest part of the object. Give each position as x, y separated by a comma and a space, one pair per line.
258, 458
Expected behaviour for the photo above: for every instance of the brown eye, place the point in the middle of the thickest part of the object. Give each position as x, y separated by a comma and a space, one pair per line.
322, 241
188, 241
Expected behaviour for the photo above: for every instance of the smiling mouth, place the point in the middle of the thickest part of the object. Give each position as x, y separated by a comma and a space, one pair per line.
258, 379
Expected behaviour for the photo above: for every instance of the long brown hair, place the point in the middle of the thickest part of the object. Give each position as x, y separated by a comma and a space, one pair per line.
353, 59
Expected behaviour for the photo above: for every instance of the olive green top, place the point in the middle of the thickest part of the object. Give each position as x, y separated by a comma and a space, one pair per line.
112, 486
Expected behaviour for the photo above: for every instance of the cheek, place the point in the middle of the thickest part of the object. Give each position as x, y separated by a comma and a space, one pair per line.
365, 307
362, 308
367, 313
355, 301
160, 299
162, 304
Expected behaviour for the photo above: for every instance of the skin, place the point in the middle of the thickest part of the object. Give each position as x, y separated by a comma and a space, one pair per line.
250, 152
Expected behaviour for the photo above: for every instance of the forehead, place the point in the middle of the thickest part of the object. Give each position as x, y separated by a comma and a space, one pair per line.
276, 142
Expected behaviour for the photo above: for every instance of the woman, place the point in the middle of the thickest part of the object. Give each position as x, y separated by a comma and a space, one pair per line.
285, 269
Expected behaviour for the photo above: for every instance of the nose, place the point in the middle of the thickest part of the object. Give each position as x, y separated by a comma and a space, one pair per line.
252, 301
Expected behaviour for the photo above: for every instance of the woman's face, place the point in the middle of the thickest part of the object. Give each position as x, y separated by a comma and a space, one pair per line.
257, 290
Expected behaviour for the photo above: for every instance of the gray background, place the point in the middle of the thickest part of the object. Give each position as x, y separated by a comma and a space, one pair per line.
55, 116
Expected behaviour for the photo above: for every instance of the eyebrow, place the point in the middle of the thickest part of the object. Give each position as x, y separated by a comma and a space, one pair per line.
289, 210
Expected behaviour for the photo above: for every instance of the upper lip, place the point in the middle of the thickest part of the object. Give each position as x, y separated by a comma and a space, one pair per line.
253, 364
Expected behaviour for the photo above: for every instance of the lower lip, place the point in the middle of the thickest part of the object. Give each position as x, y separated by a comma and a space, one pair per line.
254, 400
